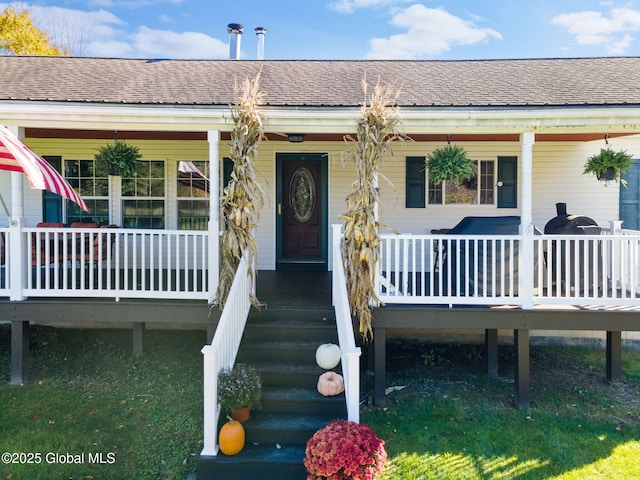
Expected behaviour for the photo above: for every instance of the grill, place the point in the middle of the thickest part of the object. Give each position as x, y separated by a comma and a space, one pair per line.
575, 264
483, 253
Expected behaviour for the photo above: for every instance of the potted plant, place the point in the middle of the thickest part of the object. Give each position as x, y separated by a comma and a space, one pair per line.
239, 390
119, 158
449, 163
344, 449
608, 164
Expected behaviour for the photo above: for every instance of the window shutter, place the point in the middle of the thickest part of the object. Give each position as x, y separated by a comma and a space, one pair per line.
507, 182
415, 182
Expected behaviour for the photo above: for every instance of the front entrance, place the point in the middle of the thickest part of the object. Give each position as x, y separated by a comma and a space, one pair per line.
301, 211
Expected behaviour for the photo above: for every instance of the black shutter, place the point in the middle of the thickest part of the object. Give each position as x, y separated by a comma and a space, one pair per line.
507, 182
415, 182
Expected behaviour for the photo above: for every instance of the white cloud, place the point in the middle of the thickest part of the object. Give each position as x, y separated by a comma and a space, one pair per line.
593, 28
429, 31
350, 6
77, 30
167, 44
100, 33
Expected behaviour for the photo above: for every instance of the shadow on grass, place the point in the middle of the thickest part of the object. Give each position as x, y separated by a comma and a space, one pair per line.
92, 410
453, 421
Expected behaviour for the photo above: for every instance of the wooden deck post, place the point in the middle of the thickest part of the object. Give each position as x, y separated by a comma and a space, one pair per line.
380, 361
138, 339
19, 351
491, 349
614, 356
522, 371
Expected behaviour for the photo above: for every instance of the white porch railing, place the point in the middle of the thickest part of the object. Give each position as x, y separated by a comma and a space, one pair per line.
222, 351
601, 270
350, 353
111, 262
449, 269
589, 270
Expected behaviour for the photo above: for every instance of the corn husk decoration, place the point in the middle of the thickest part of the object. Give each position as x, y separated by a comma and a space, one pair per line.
361, 247
243, 197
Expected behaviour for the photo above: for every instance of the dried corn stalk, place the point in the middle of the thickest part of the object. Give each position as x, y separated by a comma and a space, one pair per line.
243, 197
361, 248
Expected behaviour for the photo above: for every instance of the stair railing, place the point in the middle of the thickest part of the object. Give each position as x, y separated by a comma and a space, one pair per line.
350, 353
222, 351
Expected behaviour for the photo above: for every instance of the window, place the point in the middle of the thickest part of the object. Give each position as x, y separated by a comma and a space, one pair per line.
193, 195
416, 182
479, 190
143, 204
92, 184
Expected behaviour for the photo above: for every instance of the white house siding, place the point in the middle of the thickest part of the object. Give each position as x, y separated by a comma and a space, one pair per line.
557, 177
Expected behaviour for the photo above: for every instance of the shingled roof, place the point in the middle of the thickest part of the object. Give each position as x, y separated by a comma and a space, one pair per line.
472, 83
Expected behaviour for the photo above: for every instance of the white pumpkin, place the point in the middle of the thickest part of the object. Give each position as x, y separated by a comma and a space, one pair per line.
328, 356
330, 383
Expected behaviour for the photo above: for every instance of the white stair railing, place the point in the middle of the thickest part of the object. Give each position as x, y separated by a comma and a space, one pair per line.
222, 351
350, 353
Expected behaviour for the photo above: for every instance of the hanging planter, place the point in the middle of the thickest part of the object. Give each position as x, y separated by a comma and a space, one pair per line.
119, 158
609, 164
450, 163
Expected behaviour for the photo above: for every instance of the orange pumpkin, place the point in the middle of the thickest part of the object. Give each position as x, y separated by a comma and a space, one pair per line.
231, 438
330, 383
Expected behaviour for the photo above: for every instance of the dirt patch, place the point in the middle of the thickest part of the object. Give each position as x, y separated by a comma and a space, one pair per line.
559, 375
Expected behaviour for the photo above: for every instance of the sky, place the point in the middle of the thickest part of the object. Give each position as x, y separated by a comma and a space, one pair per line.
342, 29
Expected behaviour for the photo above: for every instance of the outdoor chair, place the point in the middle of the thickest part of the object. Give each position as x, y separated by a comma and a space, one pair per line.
91, 246
44, 260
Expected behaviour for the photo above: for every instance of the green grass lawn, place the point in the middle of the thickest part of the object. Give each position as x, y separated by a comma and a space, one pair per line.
452, 421
142, 417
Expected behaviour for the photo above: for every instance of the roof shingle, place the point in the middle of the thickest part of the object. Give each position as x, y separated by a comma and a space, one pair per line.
471, 83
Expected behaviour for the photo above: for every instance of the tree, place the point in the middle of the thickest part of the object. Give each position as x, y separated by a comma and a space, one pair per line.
19, 36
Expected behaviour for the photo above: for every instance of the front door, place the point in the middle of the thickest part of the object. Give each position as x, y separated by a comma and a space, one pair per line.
301, 215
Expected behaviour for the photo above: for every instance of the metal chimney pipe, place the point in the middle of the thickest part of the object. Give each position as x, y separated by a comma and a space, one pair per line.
235, 36
561, 209
260, 32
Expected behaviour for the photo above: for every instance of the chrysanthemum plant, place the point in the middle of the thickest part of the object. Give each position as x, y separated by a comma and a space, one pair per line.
345, 449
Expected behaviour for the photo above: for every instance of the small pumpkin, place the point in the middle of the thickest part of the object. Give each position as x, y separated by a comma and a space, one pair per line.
328, 355
231, 437
330, 384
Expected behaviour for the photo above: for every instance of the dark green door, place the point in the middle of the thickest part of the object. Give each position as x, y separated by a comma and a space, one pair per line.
301, 212
52, 203
507, 182
630, 198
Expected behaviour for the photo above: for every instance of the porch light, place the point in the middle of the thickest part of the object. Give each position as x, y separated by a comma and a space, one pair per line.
296, 137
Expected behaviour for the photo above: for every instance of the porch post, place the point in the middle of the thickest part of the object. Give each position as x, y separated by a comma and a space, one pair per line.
380, 366
614, 356
526, 266
213, 136
522, 379
17, 244
19, 351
